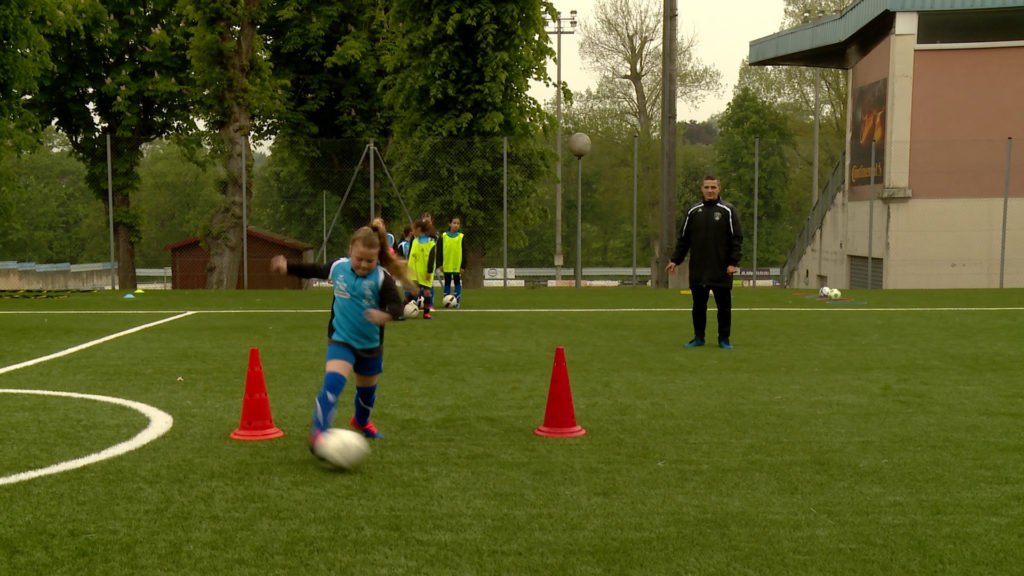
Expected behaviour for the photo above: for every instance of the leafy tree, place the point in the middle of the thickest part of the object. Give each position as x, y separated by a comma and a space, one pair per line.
290, 203
459, 78
24, 54
792, 90
175, 199
235, 93
464, 67
608, 184
48, 213
699, 132
329, 54
116, 73
624, 44
746, 120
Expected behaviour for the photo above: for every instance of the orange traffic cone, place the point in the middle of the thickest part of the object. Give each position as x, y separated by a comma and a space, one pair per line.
257, 423
559, 416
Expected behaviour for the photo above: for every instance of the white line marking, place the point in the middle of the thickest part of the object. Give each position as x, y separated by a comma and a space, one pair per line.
311, 310
159, 423
81, 347
826, 308
832, 308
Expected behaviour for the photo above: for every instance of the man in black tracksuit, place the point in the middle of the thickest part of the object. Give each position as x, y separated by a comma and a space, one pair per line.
711, 234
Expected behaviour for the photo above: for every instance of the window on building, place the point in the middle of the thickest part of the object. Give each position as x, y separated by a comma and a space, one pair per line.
961, 27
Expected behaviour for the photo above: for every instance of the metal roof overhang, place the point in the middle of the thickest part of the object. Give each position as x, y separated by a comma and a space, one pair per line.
840, 40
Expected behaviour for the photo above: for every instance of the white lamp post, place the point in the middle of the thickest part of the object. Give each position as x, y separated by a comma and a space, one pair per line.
579, 145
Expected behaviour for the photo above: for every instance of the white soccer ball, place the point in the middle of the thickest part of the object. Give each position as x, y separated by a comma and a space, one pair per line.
411, 309
343, 448
835, 294
450, 301
824, 291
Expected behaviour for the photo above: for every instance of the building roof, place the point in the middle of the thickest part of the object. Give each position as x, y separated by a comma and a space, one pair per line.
253, 233
838, 40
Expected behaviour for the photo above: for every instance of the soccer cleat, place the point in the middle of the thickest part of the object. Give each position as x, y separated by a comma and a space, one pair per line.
314, 438
695, 343
427, 316
725, 344
370, 431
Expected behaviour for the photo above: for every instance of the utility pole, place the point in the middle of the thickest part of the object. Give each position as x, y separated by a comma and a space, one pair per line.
668, 145
559, 29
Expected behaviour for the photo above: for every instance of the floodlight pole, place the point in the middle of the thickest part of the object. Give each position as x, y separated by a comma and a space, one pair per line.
245, 220
817, 137
757, 176
110, 214
558, 31
871, 212
1006, 201
636, 163
323, 194
666, 233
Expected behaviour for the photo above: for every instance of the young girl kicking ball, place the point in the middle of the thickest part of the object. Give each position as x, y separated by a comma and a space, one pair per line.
365, 299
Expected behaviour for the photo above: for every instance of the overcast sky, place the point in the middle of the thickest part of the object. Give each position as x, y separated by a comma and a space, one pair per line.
724, 29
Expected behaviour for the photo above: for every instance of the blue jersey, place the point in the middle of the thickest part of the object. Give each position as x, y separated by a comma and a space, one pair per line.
353, 296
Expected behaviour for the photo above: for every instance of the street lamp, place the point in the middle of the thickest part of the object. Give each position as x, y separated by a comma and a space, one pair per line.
579, 145
558, 30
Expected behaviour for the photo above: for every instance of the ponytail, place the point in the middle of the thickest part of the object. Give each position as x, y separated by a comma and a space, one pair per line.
392, 263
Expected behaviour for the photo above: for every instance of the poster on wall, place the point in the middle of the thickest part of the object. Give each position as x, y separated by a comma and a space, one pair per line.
868, 125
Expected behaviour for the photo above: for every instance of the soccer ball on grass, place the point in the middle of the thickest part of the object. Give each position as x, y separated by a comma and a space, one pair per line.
824, 291
834, 294
450, 301
343, 448
411, 310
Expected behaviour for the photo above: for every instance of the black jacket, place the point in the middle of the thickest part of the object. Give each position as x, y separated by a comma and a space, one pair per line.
712, 236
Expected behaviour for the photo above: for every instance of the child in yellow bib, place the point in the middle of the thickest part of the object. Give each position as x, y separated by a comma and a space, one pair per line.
451, 261
422, 261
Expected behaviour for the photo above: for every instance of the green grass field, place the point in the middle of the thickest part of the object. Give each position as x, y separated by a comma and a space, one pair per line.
881, 434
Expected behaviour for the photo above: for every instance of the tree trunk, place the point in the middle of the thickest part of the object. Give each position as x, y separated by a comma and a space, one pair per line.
643, 117
124, 165
474, 265
126, 278
224, 238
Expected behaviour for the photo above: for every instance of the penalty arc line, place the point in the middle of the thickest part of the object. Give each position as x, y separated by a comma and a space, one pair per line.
159, 421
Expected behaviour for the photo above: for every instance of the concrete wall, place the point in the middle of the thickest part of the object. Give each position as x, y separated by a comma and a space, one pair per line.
14, 276
954, 244
824, 263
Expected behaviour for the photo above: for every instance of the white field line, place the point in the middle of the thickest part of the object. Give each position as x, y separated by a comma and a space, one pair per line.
827, 308
159, 423
687, 309
90, 344
61, 312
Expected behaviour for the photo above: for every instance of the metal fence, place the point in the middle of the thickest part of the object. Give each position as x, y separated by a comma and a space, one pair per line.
54, 203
